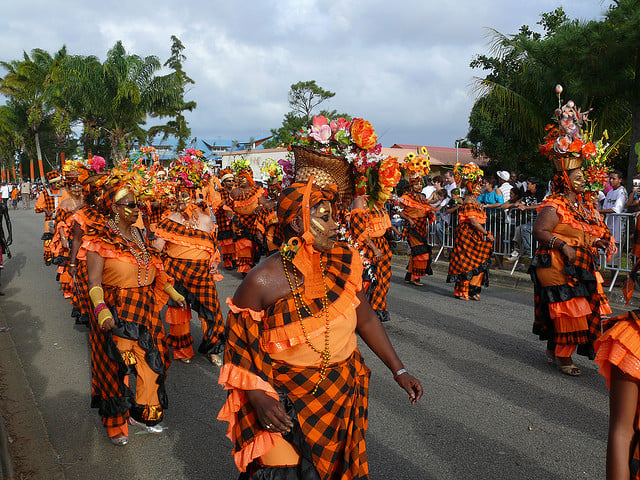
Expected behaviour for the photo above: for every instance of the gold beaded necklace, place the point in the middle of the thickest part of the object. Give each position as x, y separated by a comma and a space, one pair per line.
142, 258
297, 300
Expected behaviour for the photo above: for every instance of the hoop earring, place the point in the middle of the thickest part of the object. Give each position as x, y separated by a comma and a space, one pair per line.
290, 248
116, 217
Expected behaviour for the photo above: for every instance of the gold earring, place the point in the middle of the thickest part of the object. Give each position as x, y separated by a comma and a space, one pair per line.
116, 217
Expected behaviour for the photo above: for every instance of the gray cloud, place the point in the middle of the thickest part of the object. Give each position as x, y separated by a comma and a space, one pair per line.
402, 65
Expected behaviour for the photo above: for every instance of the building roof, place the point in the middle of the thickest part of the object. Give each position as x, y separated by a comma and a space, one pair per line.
439, 155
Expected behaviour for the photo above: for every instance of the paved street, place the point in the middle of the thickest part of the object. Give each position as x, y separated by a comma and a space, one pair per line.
493, 408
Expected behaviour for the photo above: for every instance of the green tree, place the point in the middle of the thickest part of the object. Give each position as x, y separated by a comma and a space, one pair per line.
305, 96
178, 127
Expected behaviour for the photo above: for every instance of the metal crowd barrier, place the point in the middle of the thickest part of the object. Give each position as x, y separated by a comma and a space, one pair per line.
507, 224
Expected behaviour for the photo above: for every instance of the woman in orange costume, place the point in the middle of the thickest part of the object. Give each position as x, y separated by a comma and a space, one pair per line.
618, 355
127, 288
223, 218
245, 199
568, 295
292, 356
418, 214
268, 225
188, 237
63, 232
472, 245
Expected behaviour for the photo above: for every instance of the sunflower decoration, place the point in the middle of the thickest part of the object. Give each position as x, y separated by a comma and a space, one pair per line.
417, 165
189, 169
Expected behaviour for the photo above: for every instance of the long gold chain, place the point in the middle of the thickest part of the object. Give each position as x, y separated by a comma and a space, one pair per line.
142, 259
297, 300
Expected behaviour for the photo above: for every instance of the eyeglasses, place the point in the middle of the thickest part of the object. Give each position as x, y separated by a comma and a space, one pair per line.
128, 204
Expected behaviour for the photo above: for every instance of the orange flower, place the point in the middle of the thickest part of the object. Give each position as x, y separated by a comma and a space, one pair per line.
576, 146
363, 134
389, 173
589, 150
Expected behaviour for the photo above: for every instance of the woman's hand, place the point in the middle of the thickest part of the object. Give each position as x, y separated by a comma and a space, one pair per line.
377, 253
65, 242
569, 252
73, 270
411, 385
108, 324
601, 244
490, 237
269, 411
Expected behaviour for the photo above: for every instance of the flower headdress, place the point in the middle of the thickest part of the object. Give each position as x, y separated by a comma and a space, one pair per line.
417, 165
147, 155
133, 174
240, 164
355, 142
189, 169
71, 171
469, 175
273, 171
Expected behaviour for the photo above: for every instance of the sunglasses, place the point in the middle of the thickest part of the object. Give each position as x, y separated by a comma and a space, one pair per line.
129, 204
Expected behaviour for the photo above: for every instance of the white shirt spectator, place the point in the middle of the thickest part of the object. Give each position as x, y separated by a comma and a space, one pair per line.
4, 191
450, 187
505, 188
615, 200
428, 191
25, 188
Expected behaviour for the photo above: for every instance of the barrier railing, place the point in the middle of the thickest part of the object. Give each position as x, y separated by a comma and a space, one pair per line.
513, 229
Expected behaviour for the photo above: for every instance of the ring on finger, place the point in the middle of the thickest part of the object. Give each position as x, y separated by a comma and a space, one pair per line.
268, 426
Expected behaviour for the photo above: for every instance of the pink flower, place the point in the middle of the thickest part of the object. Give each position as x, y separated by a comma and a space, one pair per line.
334, 126
321, 133
320, 120
97, 164
377, 149
343, 124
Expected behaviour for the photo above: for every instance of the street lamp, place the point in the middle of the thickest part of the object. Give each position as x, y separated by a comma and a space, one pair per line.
458, 140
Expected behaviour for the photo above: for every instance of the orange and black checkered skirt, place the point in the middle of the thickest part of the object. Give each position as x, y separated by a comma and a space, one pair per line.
471, 251
225, 227
61, 254
194, 281
571, 284
136, 312
330, 425
269, 225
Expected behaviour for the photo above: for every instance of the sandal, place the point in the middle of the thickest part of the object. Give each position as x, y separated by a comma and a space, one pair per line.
571, 370
462, 297
475, 297
417, 283
120, 441
551, 357
215, 359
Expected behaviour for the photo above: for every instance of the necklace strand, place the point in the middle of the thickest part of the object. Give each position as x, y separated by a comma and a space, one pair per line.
142, 259
297, 300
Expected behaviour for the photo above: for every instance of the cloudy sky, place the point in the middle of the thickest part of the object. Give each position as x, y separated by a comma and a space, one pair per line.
403, 65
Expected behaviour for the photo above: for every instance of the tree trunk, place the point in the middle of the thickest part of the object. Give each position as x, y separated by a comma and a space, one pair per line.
632, 168
39, 152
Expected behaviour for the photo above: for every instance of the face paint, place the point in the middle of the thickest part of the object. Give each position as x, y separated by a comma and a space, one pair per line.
318, 225
128, 211
323, 227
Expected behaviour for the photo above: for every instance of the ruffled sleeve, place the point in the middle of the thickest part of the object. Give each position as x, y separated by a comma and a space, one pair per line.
246, 367
470, 211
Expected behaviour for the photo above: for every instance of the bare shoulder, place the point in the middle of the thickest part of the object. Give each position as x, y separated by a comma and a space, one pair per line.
358, 202
205, 222
265, 284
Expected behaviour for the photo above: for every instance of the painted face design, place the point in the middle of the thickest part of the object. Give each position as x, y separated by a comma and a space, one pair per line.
184, 199
323, 227
76, 189
577, 180
228, 183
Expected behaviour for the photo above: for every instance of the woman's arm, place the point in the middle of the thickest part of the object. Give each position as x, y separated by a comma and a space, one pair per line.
623, 406
78, 233
543, 232
375, 336
95, 265
479, 228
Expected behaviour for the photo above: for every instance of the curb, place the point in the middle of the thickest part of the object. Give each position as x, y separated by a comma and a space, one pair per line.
503, 278
27, 424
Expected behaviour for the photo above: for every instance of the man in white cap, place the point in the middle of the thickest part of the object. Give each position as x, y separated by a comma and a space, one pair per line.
505, 186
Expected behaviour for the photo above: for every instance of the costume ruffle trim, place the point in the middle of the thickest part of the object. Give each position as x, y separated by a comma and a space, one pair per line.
106, 250
257, 316
238, 380
620, 346
195, 242
283, 337
481, 217
568, 218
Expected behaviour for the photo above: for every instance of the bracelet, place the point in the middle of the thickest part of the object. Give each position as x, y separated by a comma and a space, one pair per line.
399, 372
99, 308
552, 241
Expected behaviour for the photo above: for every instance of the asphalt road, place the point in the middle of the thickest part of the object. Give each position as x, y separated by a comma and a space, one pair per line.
493, 408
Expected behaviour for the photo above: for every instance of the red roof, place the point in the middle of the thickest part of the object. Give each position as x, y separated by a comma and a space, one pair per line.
439, 155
